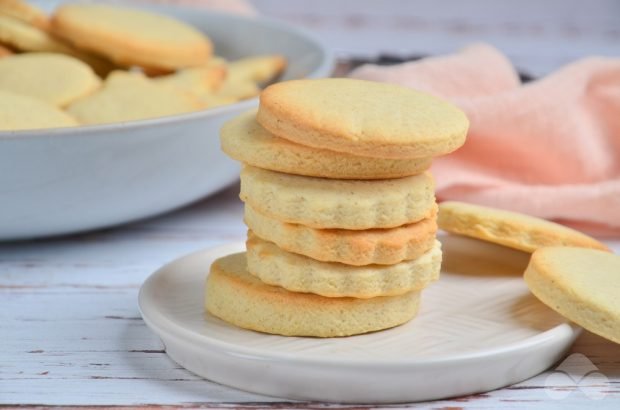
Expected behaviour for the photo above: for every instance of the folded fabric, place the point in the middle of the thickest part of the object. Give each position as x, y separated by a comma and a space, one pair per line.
549, 148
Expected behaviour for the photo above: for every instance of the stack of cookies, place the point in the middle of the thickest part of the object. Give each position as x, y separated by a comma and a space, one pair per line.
340, 207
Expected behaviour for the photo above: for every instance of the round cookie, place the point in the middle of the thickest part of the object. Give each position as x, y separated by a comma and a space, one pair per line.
20, 112
21, 10
511, 229
299, 273
365, 247
362, 118
338, 203
234, 295
24, 37
131, 96
243, 139
582, 285
132, 37
54, 78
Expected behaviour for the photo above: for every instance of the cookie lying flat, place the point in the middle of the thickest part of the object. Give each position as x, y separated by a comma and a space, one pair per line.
299, 273
24, 37
243, 139
196, 80
338, 203
132, 37
582, 285
54, 78
362, 118
21, 10
259, 69
371, 246
510, 229
232, 294
126, 97
20, 112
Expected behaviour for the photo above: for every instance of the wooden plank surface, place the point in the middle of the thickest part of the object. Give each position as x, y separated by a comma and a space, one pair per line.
72, 334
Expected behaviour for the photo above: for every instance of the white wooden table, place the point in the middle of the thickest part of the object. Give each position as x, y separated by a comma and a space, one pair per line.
70, 331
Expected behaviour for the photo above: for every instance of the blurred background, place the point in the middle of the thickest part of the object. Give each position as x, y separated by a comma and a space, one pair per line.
538, 36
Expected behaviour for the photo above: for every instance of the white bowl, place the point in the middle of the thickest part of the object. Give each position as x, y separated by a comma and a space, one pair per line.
68, 180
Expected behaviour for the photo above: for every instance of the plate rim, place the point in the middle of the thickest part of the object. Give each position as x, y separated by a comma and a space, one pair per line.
565, 329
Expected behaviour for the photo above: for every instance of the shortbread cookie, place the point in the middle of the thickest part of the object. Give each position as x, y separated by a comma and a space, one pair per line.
20, 112
370, 246
55, 78
338, 203
131, 96
21, 10
582, 285
245, 140
299, 273
234, 295
510, 229
132, 37
259, 69
362, 118
196, 80
24, 37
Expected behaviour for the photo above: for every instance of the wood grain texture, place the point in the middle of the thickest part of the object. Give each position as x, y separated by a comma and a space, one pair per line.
72, 334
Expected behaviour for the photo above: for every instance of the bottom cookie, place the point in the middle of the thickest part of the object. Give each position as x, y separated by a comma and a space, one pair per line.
234, 295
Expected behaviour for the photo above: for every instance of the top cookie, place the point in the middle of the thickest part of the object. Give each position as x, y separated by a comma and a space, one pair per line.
362, 118
510, 229
132, 37
20, 10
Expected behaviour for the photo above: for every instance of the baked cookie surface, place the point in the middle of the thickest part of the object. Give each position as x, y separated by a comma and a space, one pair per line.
130, 96
245, 140
20, 112
358, 248
362, 117
54, 78
511, 229
581, 284
237, 297
299, 273
132, 37
336, 203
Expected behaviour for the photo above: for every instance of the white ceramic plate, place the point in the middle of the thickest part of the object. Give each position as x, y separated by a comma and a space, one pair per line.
68, 180
479, 329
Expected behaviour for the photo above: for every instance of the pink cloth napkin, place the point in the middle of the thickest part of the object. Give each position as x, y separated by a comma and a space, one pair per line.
550, 148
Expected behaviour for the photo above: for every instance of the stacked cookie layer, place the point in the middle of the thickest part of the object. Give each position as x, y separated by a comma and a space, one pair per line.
340, 207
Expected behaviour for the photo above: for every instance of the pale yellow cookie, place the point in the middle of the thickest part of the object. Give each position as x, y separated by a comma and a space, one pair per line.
237, 89
132, 37
196, 80
338, 203
370, 246
582, 285
299, 273
55, 78
259, 69
25, 37
362, 118
243, 139
131, 96
20, 112
511, 229
21, 10
234, 295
